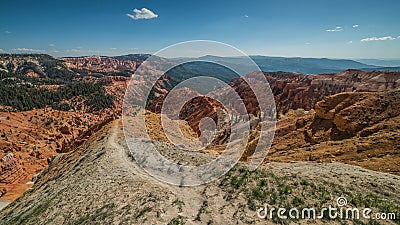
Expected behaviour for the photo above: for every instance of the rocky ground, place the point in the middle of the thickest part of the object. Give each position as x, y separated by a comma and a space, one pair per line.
100, 184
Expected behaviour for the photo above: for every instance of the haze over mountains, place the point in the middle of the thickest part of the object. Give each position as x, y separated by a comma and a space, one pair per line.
266, 64
380, 62
305, 65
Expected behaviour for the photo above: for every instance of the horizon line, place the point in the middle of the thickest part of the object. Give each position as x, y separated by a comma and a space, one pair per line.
250, 55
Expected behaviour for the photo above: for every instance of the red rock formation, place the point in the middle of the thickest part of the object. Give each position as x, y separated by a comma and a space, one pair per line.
115, 80
31, 137
100, 64
291, 91
33, 74
10, 170
193, 116
360, 113
357, 128
3, 191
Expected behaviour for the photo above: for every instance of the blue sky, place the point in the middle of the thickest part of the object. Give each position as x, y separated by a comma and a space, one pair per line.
307, 28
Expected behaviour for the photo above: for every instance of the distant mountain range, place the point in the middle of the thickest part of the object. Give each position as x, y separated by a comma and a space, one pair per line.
297, 64
310, 65
380, 62
235, 64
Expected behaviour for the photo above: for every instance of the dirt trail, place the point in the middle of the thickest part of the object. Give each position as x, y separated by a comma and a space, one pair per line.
193, 197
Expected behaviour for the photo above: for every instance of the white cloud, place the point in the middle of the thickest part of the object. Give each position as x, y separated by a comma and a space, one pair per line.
308, 43
27, 50
73, 50
142, 14
355, 26
246, 16
84, 51
350, 42
52, 45
337, 29
387, 38
7, 32
1, 50
94, 51
113, 48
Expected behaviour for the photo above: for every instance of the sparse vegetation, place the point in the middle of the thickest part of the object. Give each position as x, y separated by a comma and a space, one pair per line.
179, 204
203, 209
179, 220
282, 191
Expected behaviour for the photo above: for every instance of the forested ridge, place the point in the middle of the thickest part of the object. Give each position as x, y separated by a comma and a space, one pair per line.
24, 93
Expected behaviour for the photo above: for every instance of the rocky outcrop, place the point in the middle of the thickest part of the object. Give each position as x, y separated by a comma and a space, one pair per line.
65, 129
302, 91
35, 65
3, 191
358, 113
31, 137
210, 109
101, 64
356, 128
10, 170
115, 80
294, 91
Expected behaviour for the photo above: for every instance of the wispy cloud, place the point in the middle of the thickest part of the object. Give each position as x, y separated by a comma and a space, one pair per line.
1, 50
337, 29
350, 42
386, 38
85, 51
246, 16
142, 14
27, 50
94, 51
113, 48
73, 50
7, 32
52, 45
355, 26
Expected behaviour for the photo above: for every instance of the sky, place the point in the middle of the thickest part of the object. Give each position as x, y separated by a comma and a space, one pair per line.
303, 28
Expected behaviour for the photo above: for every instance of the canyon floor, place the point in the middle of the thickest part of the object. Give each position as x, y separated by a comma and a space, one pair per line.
99, 183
